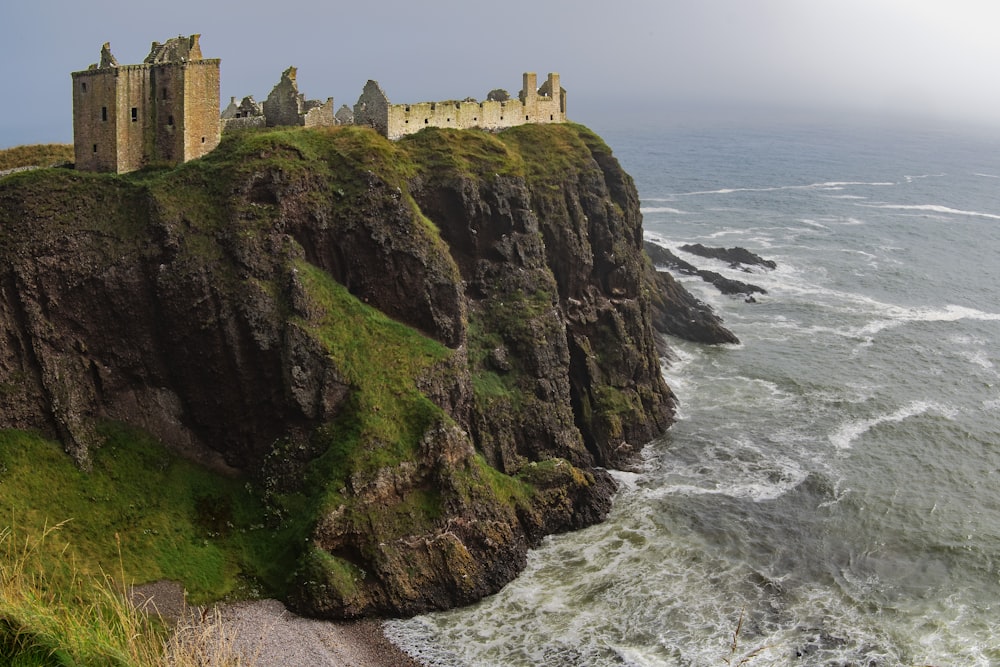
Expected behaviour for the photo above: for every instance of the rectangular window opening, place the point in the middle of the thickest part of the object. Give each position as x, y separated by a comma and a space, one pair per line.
84, 84
135, 114
170, 120
104, 113
95, 148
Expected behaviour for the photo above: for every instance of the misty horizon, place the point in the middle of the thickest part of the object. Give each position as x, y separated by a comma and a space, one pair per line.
640, 62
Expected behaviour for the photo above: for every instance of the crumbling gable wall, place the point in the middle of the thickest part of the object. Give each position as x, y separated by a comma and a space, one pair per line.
285, 105
372, 108
345, 115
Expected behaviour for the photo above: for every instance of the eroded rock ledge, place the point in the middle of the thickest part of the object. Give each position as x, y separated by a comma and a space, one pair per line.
424, 353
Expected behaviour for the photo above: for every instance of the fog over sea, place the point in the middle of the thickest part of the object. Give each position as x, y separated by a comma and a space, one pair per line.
835, 478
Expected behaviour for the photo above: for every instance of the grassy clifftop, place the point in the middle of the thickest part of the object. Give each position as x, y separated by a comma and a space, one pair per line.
39, 155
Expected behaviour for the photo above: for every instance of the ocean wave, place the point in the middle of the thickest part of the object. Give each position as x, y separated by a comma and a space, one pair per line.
813, 223
845, 436
933, 208
978, 358
899, 315
827, 185
661, 209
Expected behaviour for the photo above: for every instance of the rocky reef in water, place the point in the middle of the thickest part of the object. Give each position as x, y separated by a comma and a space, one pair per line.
736, 256
425, 353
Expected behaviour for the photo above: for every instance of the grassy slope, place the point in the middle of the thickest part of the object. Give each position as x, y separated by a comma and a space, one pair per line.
175, 520
40, 155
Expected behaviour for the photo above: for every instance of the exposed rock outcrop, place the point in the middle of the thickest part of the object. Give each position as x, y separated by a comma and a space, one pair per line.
735, 256
676, 312
423, 353
663, 257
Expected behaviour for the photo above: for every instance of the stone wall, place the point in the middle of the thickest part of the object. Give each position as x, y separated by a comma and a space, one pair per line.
125, 117
95, 112
242, 123
135, 122
168, 93
372, 108
319, 114
285, 105
396, 120
201, 108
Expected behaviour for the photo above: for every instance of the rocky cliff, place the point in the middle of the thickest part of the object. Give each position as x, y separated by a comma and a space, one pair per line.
422, 353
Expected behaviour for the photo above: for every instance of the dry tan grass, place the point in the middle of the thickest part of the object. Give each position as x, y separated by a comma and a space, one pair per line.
73, 618
37, 155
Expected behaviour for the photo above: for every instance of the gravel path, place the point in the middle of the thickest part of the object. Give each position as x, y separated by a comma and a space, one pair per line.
264, 634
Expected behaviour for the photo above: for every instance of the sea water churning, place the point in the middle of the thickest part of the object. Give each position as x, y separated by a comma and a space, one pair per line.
834, 477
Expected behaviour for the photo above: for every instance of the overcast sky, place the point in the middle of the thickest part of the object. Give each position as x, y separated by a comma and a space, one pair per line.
662, 58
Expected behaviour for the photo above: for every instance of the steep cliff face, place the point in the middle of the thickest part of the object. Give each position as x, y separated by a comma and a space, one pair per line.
422, 353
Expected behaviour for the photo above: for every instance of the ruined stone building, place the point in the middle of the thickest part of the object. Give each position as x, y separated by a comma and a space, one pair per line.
534, 105
166, 110
248, 113
285, 105
163, 110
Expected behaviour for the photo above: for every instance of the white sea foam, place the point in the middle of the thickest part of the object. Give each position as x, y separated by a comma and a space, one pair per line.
987, 175
933, 208
626, 480
827, 185
661, 209
845, 436
813, 223
977, 358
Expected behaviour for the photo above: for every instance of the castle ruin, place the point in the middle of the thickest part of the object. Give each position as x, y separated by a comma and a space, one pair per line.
534, 105
164, 110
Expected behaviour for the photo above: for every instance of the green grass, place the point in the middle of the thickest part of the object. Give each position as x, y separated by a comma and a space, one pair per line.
89, 620
216, 535
379, 358
173, 519
37, 155
470, 153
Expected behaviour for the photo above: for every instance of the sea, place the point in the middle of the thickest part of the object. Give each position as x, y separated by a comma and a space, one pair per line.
830, 492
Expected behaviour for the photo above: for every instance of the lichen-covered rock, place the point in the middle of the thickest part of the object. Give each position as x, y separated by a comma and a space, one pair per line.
421, 353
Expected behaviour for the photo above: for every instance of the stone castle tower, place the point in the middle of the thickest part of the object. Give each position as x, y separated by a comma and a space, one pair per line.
164, 110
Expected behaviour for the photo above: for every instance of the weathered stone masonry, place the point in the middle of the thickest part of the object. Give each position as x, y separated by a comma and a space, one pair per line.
286, 106
542, 105
164, 110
